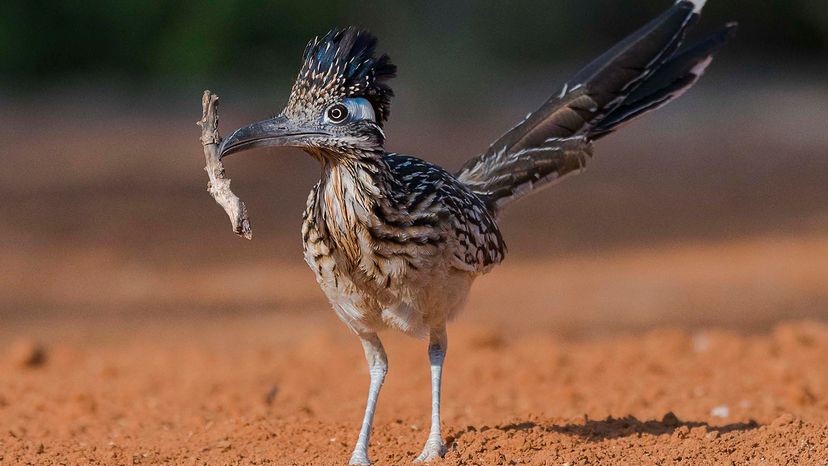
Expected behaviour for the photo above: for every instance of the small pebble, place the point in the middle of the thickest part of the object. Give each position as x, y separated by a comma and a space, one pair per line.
720, 411
27, 354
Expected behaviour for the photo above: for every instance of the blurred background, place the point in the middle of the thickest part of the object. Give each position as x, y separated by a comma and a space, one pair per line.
711, 212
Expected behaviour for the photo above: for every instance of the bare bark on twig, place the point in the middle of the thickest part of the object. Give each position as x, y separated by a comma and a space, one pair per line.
219, 186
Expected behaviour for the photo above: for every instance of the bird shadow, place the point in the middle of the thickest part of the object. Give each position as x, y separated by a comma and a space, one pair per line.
611, 428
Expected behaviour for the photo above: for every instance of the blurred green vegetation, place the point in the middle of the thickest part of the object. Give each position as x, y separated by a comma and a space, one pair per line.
151, 42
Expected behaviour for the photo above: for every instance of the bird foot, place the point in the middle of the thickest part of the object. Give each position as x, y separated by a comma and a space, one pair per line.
359, 457
434, 449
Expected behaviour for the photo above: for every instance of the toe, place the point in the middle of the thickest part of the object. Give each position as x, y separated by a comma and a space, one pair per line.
432, 451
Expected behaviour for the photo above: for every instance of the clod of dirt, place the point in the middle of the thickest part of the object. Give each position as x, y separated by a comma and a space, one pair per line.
270, 397
27, 354
784, 420
224, 445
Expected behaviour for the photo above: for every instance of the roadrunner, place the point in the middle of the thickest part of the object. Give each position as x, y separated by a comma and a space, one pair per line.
395, 241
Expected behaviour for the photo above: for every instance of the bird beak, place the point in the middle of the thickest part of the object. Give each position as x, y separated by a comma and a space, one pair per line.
277, 131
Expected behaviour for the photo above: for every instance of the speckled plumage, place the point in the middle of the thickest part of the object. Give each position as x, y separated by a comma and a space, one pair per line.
395, 241
342, 64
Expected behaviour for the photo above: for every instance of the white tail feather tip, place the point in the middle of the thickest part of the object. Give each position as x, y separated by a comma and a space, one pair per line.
698, 70
697, 5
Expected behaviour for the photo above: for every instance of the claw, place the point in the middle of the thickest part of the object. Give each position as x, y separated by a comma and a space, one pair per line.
359, 458
433, 450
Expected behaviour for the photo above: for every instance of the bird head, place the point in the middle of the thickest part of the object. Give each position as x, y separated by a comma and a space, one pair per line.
337, 106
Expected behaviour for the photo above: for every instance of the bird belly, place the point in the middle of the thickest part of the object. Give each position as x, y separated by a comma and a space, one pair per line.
355, 308
411, 301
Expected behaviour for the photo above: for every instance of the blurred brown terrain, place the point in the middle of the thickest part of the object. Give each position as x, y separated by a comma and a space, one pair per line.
714, 211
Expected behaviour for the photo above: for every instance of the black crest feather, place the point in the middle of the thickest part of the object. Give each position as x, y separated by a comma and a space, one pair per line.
343, 64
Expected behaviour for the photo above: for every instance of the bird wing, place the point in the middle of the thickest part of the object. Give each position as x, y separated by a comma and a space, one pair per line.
432, 204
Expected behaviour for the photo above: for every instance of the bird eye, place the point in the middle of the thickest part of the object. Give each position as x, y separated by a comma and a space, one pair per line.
350, 109
338, 113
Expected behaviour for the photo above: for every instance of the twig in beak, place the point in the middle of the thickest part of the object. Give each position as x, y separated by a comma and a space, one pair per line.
219, 186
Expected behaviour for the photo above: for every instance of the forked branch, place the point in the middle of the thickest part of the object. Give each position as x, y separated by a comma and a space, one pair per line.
219, 185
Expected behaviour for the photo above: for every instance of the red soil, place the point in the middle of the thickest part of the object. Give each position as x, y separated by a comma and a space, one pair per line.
287, 389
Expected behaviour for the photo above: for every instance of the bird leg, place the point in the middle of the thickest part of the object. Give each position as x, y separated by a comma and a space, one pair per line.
437, 346
377, 367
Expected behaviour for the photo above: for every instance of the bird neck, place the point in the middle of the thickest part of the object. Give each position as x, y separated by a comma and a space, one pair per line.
361, 177
363, 169
347, 194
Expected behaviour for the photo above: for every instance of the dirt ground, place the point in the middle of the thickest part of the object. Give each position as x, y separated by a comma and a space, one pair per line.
286, 391
659, 378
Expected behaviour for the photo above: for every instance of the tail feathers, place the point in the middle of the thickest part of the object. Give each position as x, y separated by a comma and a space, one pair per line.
509, 177
616, 72
637, 75
669, 82
604, 83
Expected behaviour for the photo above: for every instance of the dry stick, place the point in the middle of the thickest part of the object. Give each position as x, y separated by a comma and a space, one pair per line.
219, 186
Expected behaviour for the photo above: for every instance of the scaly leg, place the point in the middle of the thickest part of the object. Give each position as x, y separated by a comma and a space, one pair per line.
377, 367
437, 346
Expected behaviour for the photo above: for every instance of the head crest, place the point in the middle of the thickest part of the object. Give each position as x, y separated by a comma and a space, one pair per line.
342, 64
